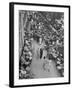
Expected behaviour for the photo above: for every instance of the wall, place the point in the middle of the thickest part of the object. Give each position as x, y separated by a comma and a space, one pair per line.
4, 43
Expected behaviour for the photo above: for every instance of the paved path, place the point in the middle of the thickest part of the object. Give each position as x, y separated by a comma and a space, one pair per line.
43, 68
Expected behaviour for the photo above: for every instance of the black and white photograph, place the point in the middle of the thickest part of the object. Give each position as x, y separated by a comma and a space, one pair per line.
41, 44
